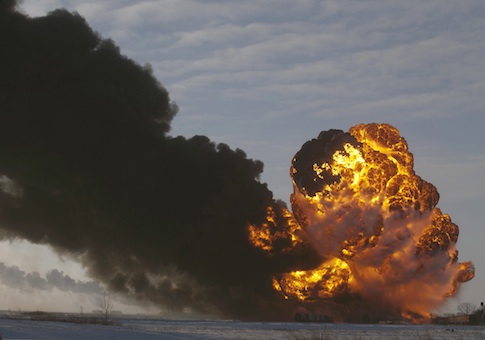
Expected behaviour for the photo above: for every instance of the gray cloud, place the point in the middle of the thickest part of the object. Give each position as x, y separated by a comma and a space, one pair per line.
14, 277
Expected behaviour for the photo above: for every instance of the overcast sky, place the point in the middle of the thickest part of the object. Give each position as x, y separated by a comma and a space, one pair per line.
266, 76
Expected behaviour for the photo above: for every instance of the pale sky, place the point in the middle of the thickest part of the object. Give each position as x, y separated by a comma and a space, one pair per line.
266, 76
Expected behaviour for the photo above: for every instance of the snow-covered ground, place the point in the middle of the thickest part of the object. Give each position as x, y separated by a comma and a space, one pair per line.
209, 329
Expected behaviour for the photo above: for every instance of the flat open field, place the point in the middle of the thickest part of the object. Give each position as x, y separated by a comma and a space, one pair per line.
138, 328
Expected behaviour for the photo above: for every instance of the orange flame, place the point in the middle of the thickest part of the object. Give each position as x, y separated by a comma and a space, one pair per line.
359, 203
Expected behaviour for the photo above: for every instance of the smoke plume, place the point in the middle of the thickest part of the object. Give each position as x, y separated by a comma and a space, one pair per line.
87, 167
14, 277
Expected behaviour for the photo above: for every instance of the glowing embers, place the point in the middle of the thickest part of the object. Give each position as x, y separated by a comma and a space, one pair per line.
329, 280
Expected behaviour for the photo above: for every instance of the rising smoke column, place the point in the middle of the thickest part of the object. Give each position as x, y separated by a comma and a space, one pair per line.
87, 167
374, 223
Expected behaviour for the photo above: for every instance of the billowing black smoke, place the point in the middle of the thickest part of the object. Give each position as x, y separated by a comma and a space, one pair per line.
87, 167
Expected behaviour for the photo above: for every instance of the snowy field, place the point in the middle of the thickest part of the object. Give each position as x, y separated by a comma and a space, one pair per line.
203, 329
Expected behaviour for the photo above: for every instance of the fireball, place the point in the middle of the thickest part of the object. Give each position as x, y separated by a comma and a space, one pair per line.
358, 202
